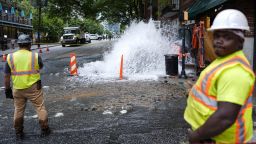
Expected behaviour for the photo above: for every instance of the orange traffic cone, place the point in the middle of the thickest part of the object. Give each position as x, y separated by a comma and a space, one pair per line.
47, 48
121, 68
73, 66
4, 57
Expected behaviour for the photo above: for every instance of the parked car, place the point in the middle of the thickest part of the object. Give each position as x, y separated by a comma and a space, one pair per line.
100, 37
61, 39
87, 38
94, 37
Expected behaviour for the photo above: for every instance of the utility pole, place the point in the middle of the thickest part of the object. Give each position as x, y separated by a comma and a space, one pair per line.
39, 21
151, 9
183, 72
184, 27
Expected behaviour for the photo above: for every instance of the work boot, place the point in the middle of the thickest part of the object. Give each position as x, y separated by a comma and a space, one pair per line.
45, 132
19, 135
18, 126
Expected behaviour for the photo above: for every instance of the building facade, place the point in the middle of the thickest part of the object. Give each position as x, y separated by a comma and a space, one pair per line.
13, 22
201, 10
165, 12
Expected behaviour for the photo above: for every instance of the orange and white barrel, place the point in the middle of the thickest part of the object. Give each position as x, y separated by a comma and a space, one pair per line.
73, 65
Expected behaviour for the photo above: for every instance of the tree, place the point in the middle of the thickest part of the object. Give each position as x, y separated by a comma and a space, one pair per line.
88, 25
84, 13
75, 8
121, 11
23, 5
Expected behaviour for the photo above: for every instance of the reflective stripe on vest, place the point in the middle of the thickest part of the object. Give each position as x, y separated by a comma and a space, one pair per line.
201, 95
32, 71
12, 62
206, 82
212, 104
240, 122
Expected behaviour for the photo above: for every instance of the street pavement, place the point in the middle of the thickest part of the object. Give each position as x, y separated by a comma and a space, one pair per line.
43, 47
127, 112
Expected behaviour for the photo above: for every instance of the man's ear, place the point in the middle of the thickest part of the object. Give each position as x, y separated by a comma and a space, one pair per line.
241, 42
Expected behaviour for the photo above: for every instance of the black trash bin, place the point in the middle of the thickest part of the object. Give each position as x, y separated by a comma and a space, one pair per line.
171, 64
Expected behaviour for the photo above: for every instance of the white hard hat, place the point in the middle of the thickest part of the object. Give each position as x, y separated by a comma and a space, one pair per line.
24, 39
230, 19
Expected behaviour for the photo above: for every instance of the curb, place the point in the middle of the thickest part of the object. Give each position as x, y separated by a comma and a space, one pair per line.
45, 46
1, 55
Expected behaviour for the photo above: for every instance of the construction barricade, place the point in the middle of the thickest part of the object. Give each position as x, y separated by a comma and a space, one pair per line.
73, 64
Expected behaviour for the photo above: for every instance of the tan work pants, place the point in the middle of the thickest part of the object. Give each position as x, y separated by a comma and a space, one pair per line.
36, 98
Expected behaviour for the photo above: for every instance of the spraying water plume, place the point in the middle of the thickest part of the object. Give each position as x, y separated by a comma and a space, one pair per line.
143, 48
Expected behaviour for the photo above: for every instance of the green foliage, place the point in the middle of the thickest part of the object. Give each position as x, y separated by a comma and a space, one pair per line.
88, 25
53, 27
63, 9
93, 26
23, 5
84, 13
121, 11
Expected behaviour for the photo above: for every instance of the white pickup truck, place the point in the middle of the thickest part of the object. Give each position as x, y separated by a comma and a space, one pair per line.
74, 35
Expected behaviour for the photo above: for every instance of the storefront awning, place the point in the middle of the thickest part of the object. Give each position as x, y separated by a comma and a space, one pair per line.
203, 5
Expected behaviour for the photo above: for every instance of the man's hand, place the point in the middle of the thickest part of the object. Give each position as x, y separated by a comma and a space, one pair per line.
8, 93
217, 123
193, 137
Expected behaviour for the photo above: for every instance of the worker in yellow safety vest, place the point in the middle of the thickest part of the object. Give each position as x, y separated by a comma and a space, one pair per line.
219, 105
23, 67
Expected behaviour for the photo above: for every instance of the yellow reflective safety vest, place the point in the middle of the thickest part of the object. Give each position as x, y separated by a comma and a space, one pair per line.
24, 68
202, 100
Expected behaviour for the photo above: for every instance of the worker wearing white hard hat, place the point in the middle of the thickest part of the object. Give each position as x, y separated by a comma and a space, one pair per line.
219, 106
23, 69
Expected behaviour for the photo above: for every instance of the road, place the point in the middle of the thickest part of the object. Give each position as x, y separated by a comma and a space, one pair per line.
127, 112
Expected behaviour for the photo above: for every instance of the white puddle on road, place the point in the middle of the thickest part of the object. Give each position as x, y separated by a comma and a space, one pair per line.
36, 116
59, 115
3, 117
107, 112
46, 87
29, 117
123, 111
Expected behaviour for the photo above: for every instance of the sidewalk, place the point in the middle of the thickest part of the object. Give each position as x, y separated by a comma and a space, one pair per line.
33, 47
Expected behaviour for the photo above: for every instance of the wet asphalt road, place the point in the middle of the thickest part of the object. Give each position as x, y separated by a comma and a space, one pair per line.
154, 108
